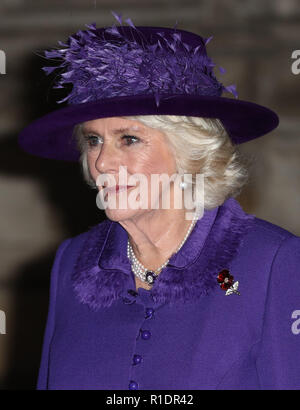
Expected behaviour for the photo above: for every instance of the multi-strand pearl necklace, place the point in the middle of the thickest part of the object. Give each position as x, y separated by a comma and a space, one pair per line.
146, 275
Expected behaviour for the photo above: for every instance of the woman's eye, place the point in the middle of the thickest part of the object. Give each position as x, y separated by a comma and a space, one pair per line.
130, 139
92, 140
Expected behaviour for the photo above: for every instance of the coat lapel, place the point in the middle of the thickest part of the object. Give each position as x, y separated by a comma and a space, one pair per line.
102, 271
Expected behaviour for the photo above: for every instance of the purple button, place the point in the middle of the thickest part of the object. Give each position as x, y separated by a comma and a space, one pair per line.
149, 313
145, 334
137, 359
133, 385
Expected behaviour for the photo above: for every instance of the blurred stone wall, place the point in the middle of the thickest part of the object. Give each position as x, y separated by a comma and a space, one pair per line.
42, 202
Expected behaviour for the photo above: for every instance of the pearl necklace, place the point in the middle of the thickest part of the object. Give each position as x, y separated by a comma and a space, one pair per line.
146, 275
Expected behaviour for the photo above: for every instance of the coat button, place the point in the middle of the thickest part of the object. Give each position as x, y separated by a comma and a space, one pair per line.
133, 385
145, 334
149, 313
137, 359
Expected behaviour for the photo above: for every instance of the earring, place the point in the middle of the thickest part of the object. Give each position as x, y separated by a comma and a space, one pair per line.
183, 185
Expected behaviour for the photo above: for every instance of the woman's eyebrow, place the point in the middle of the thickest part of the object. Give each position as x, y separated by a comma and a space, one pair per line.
117, 130
125, 129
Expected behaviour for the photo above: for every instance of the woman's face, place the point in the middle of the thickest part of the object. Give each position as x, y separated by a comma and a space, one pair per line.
116, 141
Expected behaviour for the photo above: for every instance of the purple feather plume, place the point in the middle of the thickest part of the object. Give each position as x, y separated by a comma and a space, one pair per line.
100, 69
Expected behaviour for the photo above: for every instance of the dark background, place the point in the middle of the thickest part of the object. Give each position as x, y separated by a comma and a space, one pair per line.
43, 201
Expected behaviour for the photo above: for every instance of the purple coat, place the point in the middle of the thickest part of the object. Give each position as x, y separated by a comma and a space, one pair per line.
185, 333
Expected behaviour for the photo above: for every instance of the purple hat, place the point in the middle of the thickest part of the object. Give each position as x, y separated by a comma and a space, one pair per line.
128, 70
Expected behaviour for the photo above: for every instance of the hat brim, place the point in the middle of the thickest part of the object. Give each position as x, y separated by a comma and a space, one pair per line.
51, 136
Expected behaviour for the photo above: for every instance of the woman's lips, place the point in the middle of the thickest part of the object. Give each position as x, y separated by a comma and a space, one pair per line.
118, 188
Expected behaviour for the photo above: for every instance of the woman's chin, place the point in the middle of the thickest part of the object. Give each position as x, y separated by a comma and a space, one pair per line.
122, 214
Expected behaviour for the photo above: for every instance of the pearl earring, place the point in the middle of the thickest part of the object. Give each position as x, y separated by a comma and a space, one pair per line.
183, 185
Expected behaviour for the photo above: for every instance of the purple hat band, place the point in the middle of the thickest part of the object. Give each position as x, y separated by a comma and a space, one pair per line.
128, 70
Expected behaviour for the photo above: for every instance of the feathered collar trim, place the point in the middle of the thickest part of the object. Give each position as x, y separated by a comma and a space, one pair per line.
103, 273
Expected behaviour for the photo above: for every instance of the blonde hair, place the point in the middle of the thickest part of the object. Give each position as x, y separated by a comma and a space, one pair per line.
200, 145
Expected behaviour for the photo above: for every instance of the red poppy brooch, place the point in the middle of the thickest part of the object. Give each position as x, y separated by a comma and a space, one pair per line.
227, 283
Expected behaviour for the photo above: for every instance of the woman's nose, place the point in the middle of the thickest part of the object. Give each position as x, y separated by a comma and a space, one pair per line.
108, 159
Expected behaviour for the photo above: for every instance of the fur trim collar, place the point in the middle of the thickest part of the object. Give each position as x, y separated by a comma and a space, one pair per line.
102, 272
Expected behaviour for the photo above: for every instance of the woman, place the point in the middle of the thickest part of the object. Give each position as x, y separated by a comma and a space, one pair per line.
151, 298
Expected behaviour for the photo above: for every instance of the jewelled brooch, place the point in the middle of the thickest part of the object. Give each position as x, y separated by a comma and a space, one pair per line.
227, 283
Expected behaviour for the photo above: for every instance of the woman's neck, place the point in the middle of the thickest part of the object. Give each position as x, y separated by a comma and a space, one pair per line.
156, 235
